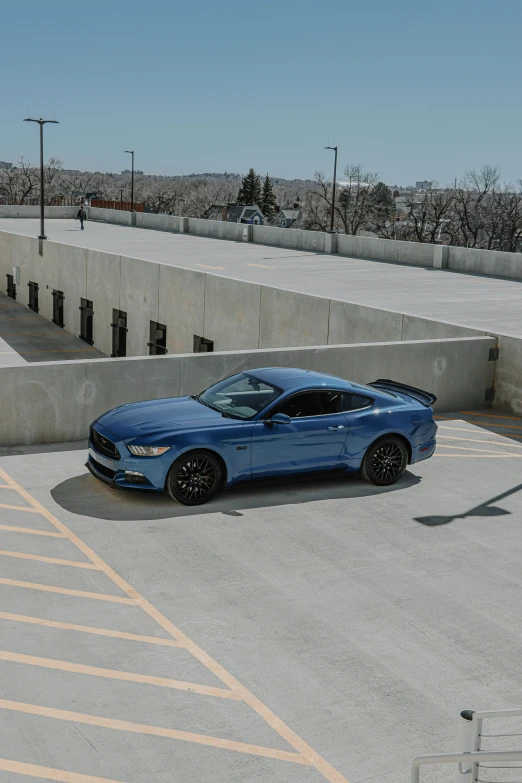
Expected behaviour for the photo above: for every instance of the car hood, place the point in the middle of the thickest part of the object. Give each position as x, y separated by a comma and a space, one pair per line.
152, 416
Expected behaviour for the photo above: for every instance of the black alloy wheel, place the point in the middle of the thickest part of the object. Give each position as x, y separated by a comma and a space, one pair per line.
385, 461
194, 478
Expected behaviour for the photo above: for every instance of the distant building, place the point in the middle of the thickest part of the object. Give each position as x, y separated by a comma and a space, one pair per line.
423, 185
128, 171
4, 165
236, 213
289, 217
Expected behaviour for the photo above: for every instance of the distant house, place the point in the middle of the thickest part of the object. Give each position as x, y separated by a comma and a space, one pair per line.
290, 217
236, 213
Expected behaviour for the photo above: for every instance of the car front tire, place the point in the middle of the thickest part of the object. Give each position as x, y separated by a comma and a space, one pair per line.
385, 461
194, 478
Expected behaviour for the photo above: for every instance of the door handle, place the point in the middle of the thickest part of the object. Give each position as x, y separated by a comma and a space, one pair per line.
339, 427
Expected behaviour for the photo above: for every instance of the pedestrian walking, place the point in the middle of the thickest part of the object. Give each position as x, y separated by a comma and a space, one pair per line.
81, 216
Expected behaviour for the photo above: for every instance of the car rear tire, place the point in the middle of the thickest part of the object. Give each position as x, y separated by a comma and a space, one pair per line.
194, 478
385, 461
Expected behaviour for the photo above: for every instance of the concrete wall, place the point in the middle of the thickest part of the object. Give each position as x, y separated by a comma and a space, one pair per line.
25, 211
311, 241
53, 402
485, 262
116, 216
411, 253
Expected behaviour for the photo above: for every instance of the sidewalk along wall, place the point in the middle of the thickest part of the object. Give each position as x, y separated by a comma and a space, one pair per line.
55, 402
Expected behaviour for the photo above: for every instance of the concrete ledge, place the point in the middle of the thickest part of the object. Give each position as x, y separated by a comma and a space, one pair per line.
55, 402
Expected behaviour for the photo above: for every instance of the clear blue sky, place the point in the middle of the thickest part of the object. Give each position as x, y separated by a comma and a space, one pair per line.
411, 89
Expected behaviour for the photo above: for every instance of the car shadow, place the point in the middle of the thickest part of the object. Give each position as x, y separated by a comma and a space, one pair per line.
86, 496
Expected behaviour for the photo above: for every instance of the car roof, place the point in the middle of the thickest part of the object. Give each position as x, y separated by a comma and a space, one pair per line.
293, 378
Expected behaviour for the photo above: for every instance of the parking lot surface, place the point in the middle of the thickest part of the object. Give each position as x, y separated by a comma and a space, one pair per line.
469, 300
292, 633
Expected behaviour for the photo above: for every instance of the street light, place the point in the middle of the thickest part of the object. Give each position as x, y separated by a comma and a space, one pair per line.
131, 152
333, 189
41, 123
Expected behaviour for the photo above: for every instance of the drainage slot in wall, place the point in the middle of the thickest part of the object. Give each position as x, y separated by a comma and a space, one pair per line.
11, 287
33, 296
86, 321
158, 339
58, 298
119, 333
202, 345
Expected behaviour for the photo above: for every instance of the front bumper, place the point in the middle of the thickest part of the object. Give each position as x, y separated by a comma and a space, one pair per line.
128, 471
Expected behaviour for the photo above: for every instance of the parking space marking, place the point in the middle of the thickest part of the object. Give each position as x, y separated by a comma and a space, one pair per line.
477, 440
53, 560
5, 486
207, 266
32, 531
67, 591
263, 266
17, 508
482, 451
48, 773
304, 753
115, 674
491, 415
133, 637
477, 456
156, 731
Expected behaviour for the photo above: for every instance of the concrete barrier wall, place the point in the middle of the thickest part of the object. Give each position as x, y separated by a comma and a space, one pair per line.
54, 402
312, 241
25, 211
485, 262
116, 216
411, 253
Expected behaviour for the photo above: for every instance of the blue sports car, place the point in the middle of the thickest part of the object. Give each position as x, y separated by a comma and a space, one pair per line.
263, 423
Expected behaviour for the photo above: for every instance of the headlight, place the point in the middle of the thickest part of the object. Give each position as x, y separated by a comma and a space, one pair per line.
148, 451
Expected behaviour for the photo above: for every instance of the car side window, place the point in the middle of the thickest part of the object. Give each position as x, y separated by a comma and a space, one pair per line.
313, 403
354, 402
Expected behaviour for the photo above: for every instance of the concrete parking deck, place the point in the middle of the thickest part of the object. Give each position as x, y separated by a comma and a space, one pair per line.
362, 618
27, 337
478, 302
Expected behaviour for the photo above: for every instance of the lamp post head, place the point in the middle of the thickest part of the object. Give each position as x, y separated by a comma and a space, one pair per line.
131, 152
331, 148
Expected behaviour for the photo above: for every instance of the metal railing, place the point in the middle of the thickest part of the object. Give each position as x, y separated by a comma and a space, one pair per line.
470, 759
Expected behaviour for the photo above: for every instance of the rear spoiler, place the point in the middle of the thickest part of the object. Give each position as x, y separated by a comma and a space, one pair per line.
424, 397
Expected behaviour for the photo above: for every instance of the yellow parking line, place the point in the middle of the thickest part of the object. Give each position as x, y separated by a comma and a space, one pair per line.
476, 456
67, 591
477, 440
5, 486
53, 560
48, 773
156, 731
18, 508
207, 266
305, 754
263, 266
114, 674
133, 637
482, 451
491, 415
33, 531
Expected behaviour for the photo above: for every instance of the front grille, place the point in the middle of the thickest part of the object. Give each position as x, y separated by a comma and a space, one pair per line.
104, 445
102, 469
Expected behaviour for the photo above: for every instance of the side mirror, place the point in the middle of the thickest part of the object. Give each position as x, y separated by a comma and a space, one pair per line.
280, 418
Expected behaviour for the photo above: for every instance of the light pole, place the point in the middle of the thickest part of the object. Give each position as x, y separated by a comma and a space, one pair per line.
131, 152
41, 123
333, 188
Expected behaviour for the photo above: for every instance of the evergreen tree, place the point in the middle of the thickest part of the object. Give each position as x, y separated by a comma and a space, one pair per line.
268, 199
382, 206
250, 190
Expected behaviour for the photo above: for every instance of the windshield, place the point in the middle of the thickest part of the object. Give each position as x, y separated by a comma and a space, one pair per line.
240, 396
